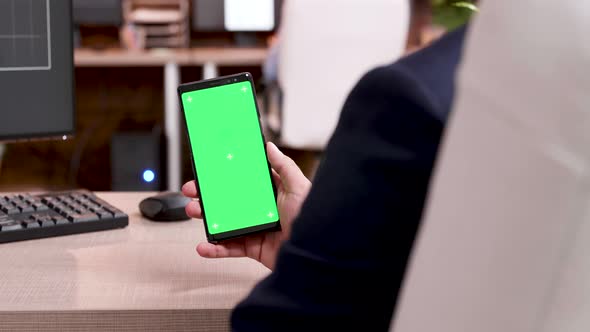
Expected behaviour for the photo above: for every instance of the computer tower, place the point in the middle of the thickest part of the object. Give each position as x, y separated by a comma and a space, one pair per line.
137, 161
98, 12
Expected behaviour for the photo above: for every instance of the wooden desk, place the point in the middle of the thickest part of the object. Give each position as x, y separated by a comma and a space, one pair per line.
146, 277
208, 57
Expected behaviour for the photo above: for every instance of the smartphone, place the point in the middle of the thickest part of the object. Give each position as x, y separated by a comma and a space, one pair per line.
228, 153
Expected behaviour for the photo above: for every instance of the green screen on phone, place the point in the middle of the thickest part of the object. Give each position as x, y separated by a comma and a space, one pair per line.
229, 156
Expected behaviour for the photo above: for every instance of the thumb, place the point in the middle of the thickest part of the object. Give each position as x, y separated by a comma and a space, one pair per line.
291, 176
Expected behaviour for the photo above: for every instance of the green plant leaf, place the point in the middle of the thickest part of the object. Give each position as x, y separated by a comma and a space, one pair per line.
452, 14
467, 5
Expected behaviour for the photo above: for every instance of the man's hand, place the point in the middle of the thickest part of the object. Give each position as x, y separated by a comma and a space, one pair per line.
292, 187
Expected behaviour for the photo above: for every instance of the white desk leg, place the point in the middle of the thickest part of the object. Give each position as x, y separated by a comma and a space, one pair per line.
172, 122
210, 70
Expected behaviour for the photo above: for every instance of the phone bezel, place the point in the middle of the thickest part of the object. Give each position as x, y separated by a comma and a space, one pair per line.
210, 83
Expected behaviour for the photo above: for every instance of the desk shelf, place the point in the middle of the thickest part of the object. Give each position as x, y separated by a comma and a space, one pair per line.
220, 56
210, 58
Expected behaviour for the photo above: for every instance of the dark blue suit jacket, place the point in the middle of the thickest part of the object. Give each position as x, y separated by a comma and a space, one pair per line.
344, 262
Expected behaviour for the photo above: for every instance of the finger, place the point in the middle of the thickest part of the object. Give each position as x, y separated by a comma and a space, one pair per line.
252, 246
193, 210
190, 189
291, 176
276, 179
229, 249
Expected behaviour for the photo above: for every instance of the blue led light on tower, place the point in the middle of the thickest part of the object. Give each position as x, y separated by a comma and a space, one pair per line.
148, 175
136, 161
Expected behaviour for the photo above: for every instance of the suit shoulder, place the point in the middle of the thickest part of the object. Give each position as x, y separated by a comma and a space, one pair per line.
435, 67
422, 82
383, 90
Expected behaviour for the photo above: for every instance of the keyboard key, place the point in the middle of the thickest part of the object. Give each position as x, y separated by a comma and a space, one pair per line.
12, 226
82, 217
16, 201
78, 197
115, 212
68, 212
31, 224
6, 221
49, 201
59, 207
10, 209
78, 208
68, 201
103, 214
26, 208
60, 220
46, 222
40, 207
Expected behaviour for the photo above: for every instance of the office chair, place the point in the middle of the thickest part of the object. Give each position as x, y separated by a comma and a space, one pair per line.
325, 48
505, 240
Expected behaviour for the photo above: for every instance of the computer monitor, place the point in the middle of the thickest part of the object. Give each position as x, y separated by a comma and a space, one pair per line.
235, 15
251, 15
36, 69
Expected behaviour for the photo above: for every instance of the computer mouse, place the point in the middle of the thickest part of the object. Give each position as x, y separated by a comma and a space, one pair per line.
168, 206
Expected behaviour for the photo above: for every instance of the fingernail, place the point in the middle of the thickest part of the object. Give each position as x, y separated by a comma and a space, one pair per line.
273, 146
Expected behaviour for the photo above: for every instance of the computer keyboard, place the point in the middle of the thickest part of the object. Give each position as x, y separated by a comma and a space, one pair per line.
26, 216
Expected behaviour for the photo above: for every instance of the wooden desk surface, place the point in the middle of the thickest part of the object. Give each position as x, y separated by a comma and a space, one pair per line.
139, 277
233, 56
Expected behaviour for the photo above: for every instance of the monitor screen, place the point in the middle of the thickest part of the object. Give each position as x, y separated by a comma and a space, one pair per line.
249, 15
237, 15
36, 69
